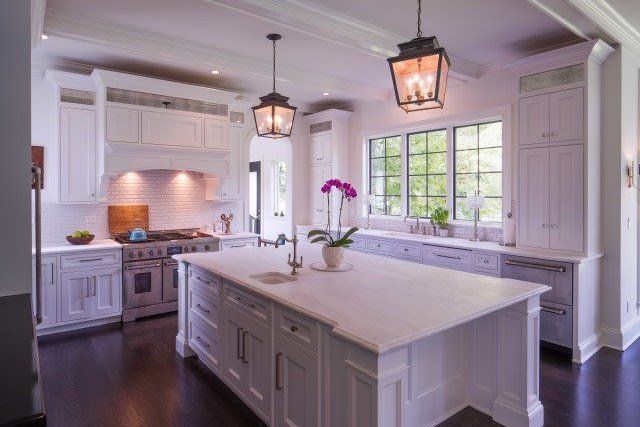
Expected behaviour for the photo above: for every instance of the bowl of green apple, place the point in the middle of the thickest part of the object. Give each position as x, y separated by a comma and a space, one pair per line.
80, 237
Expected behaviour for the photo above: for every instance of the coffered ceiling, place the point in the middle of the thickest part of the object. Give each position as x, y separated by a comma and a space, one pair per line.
335, 46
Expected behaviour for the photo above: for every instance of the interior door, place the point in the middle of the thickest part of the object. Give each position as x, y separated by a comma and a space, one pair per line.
534, 119
76, 295
107, 291
255, 197
533, 198
566, 208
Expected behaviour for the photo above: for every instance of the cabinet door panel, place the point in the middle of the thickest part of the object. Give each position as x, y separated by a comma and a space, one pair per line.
77, 154
566, 115
296, 394
320, 148
319, 175
533, 198
534, 119
566, 207
48, 291
257, 341
216, 134
235, 371
230, 187
75, 290
107, 291
123, 124
171, 129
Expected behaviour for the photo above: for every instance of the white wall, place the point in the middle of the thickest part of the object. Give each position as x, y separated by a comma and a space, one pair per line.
15, 154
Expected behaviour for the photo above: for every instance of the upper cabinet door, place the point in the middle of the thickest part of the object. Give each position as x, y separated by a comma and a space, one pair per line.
171, 129
77, 154
566, 115
534, 119
319, 175
320, 148
216, 133
566, 198
533, 198
123, 124
107, 291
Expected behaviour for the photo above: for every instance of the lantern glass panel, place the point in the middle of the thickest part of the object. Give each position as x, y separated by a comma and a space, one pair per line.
416, 82
274, 121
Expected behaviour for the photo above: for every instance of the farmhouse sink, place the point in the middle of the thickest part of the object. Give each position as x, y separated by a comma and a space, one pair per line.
273, 278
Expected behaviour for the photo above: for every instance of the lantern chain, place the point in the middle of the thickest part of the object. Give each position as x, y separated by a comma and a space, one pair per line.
274, 66
419, 18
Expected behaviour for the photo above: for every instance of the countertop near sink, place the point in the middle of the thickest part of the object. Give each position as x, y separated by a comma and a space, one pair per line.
454, 242
235, 236
65, 247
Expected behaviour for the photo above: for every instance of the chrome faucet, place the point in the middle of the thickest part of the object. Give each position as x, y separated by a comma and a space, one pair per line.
294, 264
417, 228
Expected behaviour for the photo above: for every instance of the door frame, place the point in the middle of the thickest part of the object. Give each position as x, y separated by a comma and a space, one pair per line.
256, 166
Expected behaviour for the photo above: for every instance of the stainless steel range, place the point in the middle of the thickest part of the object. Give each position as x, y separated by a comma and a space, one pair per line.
150, 275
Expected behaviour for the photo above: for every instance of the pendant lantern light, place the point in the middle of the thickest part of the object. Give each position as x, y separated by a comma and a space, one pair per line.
420, 72
274, 116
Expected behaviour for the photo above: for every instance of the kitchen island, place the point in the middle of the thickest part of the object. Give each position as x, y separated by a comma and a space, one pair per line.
389, 343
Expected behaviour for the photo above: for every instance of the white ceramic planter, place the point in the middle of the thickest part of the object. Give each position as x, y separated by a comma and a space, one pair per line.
444, 232
332, 256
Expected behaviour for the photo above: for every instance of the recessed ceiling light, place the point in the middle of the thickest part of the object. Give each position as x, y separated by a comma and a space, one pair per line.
44, 37
325, 94
215, 71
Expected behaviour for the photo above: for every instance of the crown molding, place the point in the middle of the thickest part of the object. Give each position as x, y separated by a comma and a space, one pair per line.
326, 24
38, 8
152, 45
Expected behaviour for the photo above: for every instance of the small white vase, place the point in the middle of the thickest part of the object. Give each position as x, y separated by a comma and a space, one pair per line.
444, 232
332, 256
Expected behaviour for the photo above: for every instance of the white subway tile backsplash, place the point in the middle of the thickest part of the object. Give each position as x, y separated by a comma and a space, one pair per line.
175, 199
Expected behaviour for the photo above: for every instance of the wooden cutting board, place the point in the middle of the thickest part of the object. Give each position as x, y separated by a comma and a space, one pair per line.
123, 218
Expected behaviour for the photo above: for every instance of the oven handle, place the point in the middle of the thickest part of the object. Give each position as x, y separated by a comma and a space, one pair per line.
140, 267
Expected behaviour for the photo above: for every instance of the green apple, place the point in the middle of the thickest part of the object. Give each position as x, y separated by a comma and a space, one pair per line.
76, 234
85, 233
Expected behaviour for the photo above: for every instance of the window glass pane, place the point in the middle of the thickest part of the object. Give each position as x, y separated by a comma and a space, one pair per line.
491, 184
394, 205
393, 186
418, 206
466, 184
377, 207
418, 164
492, 210
466, 137
462, 211
467, 161
437, 163
393, 146
490, 159
490, 134
438, 140
377, 186
377, 167
377, 148
417, 185
417, 143
393, 166
437, 185
435, 202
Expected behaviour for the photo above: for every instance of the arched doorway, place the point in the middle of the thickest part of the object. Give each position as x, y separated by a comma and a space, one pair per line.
270, 195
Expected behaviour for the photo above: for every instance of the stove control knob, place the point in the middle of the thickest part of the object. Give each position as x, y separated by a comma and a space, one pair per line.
131, 254
193, 248
159, 251
207, 248
140, 254
151, 252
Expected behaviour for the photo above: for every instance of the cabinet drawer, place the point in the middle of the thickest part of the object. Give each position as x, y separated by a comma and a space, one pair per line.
453, 258
240, 243
557, 275
379, 246
410, 251
205, 309
486, 262
297, 328
90, 259
205, 343
204, 282
359, 243
556, 323
248, 304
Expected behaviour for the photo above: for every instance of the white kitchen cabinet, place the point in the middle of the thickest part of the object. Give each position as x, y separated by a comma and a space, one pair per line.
533, 198
318, 176
76, 289
235, 370
566, 193
296, 385
107, 291
320, 148
216, 133
172, 129
77, 154
552, 117
257, 357
48, 291
123, 124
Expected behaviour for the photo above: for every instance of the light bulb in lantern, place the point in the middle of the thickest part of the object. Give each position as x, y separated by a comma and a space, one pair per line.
430, 85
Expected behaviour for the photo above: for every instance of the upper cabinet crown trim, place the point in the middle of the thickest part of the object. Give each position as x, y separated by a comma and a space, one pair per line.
172, 103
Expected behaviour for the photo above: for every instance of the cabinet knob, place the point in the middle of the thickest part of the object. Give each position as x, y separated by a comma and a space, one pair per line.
544, 134
293, 328
553, 134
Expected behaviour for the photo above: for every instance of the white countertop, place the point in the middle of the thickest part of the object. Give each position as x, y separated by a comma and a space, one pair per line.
63, 247
455, 242
380, 305
235, 236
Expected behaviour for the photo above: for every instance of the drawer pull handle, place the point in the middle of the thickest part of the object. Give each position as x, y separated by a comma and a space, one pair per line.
202, 308
91, 259
556, 268
244, 347
293, 328
486, 261
141, 267
446, 256
238, 347
406, 249
243, 302
278, 371
558, 311
203, 280
202, 342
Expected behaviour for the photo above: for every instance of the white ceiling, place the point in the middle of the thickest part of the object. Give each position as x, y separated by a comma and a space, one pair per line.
328, 45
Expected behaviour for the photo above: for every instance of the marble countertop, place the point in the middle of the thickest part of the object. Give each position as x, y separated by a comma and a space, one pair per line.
454, 242
381, 304
235, 236
63, 247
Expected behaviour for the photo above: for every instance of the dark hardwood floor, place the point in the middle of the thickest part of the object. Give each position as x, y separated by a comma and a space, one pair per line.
131, 376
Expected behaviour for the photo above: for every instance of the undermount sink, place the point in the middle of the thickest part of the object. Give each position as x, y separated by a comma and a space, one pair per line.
273, 278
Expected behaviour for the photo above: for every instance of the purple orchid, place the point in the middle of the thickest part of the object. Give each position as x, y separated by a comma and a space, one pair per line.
347, 191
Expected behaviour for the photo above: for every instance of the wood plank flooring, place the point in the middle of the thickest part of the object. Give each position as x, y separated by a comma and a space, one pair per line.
131, 376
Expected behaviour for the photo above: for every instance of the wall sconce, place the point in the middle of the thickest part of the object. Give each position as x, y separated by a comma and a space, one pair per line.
631, 175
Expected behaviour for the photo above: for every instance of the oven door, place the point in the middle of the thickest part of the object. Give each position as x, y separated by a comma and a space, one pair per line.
142, 283
169, 280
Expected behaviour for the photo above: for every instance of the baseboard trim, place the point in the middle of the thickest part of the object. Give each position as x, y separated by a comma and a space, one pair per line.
78, 325
587, 348
505, 414
621, 339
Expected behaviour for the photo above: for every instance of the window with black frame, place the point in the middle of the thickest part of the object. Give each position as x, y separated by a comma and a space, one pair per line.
478, 169
426, 172
385, 171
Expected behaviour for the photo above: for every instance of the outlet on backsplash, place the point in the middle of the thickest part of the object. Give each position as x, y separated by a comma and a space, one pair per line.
89, 219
